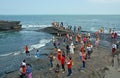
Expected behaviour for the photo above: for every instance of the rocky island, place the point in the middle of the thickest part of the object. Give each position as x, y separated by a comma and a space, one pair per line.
10, 25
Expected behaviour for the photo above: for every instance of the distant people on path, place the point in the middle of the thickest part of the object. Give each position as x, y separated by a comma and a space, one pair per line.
114, 36
97, 33
74, 29
79, 29
88, 34
102, 29
110, 30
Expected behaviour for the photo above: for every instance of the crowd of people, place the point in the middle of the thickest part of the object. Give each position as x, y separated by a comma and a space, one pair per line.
64, 57
25, 70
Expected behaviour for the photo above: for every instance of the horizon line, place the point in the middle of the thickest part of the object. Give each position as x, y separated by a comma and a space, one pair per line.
59, 14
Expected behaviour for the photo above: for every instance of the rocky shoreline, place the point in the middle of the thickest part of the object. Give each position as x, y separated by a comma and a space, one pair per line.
97, 66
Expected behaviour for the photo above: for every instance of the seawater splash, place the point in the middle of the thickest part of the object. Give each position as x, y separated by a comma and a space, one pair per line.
11, 53
41, 43
35, 26
2, 55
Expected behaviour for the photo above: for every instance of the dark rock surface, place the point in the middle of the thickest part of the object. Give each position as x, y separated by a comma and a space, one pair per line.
55, 31
10, 25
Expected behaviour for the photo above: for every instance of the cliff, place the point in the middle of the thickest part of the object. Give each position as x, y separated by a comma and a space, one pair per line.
10, 25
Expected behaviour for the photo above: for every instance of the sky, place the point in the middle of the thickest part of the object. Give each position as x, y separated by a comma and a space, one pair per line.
79, 7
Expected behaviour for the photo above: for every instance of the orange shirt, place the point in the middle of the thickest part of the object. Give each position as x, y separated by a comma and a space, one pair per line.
24, 69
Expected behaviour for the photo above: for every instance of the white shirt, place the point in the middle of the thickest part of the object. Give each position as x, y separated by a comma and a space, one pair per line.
114, 46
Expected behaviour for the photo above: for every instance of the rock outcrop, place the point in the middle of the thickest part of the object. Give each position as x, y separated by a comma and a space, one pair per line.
10, 25
55, 30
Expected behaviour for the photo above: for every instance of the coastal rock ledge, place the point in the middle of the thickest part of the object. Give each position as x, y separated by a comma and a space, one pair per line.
54, 30
10, 25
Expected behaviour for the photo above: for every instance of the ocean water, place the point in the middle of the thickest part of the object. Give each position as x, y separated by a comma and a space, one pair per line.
12, 43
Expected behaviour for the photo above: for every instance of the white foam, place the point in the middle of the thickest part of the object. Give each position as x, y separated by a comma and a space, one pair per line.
40, 44
93, 29
2, 55
16, 53
90, 20
35, 26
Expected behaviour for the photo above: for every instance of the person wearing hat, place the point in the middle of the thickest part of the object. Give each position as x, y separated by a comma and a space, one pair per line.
59, 54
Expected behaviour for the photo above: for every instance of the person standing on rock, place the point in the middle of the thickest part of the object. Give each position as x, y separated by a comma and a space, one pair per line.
59, 55
51, 57
89, 50
20, 72
27, 50
29, 71
57, 70
67, 49
69, 66
63, 62
24, 69
114, 47
37, 54
97, 42
83, 59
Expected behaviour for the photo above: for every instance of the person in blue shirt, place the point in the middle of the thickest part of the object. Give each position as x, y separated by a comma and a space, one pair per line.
29, 71
38, 54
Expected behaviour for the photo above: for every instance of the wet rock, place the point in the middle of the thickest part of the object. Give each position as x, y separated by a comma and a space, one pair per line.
10, 25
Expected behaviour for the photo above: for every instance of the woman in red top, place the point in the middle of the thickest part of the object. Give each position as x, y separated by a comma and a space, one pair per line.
63, 62
59, 54
69, 66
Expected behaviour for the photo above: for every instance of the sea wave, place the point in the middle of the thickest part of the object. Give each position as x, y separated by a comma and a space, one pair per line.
35, 26
2, 55
41, 43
